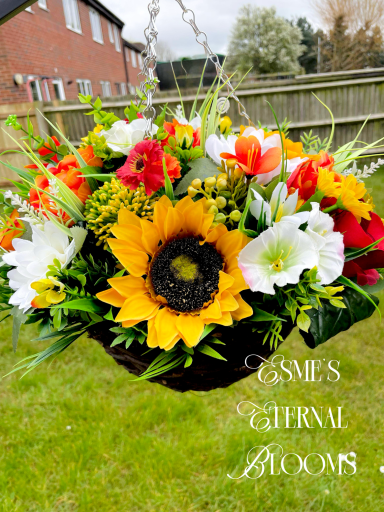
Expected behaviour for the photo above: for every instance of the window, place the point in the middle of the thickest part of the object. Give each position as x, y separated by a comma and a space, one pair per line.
133, 57
35, 89
84, 87
58, 88
123, 88
117, 38
126, 51
110, 32
42, 4
106, 89
132, 89
72, 17
140, 60
29, 9
97, 32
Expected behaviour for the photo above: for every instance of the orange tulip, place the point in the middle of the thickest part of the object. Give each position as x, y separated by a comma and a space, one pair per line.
8, 235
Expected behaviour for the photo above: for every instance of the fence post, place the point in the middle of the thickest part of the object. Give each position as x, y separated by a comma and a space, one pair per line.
42, 124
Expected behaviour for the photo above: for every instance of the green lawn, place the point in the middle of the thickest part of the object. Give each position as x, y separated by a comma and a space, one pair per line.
139, 447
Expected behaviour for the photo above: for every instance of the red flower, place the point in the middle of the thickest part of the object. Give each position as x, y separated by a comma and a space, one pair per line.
249, 158
358, 236
170, 128
143, 165
46, 150
304, 178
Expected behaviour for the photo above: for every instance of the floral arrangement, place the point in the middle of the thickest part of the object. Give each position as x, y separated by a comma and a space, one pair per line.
164, 236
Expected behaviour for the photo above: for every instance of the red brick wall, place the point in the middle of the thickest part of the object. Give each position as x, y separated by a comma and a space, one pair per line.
132, 71
41, 44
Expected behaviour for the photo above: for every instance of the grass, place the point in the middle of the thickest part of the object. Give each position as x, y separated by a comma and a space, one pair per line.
78, 436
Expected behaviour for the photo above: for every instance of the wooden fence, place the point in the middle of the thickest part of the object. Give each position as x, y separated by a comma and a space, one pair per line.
352, 97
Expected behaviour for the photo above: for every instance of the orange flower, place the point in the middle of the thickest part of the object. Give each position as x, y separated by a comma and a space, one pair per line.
249, 158
8, 235
182, 132
173, 167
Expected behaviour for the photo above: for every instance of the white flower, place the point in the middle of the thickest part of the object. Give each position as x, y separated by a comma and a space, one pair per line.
280, 207
195, 123
278, 256
328, 243
215, 145
31, 260
122, 137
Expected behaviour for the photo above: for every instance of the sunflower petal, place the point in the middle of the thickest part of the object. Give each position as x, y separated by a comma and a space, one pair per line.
244, 311
185, 203
137, 308
127, 217
111, 297
193, 218
116, 244
128, 286
239, 284
216, 233
136, 262
159, 216
173, 223
165, 323
152, 339
228, 302
231, 242
212, 311
150, 237
166, 201
173, 343
225, 320
190, 328
127, 232
225, 281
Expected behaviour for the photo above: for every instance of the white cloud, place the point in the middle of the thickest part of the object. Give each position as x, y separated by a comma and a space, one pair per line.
215, 17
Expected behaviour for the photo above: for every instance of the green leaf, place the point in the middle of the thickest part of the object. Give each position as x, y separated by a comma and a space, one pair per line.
119, 340
98, 104
159, 121
259, 189
19, 318
207, 330
88, 305
303, 321
209, 351
263, 316
20, 172
375, 288
351, 254
188, 350
188, 361
201, 168
328, 320
79, 235
168, 184
347, 282
271, 187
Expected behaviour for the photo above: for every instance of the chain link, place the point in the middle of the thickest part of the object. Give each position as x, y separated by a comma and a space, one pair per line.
149, 83
201, 37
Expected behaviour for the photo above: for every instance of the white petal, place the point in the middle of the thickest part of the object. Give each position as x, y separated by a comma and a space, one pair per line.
278, 196
290, 203
257, 206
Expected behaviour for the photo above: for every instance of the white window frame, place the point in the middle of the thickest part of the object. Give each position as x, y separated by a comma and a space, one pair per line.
72, 16
131, 88
133, 59
97, 31
106, 90
116, 34
59, 83
38, 88
123, 86
85, 86
29, 9
43, 4
140, 59
110, 32
126, 51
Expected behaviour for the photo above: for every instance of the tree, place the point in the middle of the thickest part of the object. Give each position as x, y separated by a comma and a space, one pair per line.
356, 13
265, 42
308, 59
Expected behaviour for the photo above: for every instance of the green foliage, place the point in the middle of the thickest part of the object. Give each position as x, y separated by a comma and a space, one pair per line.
312, 144
201, 168
107, 119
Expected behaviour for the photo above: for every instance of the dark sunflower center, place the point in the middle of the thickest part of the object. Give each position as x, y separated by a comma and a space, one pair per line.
186, 273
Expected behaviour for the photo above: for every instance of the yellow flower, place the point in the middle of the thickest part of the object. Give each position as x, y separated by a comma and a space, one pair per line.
291, 149
98, 128
326, 183
46, 293
351, 192
184, 133
225, 124
192, 276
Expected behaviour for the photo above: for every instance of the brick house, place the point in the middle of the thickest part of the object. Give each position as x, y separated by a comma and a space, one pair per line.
57, 48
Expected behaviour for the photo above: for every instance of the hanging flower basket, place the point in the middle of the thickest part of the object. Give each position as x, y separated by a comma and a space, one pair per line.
183, 247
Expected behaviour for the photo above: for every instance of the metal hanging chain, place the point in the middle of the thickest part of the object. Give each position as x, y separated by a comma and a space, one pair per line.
149, 84
201, 38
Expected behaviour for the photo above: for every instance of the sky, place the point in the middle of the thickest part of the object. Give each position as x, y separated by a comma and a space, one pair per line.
215, 17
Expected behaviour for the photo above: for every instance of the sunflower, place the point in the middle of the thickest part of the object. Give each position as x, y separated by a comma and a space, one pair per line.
192, 276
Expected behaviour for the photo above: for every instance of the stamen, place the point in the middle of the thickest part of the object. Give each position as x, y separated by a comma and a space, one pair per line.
278, 264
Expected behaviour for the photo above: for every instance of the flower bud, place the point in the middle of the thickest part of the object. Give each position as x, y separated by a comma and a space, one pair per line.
222, 184
196, 183
213, 210
231, 162
221, 202
192, 192
210, 182
222, 176
225, 193
238, 173
235, 215
210, 202
220, 218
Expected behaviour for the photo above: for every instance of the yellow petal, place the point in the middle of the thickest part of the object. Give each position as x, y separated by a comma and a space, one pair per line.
185, 203
165, 324
231, 242
111, 297
165, 201
150, 237
207, 223
212, 311
131, 323
40, 301
228, 302
129, 233
244, 311
173, 343
216, 233
225, 281
225, 320
152, 340
42, 285
239, 284
190, 328
55, 297
128, 286
135, 262
116, 244
127, 217
159, 216
137, 308
174, 221
193, 218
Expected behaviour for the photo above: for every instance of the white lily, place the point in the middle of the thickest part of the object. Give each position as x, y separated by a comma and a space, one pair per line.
123, 136
32, 258
280, 208
195, 122
329, 244
278, 256
215, 145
